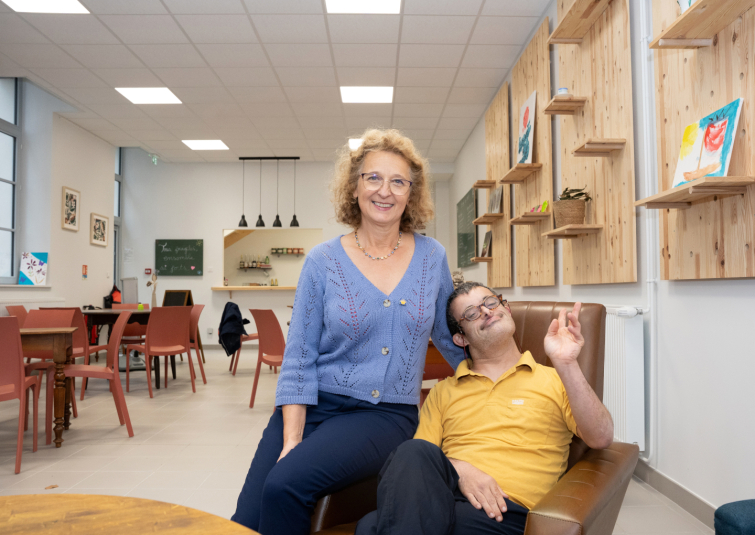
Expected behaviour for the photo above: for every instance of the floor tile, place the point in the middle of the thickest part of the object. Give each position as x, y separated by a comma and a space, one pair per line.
113, 480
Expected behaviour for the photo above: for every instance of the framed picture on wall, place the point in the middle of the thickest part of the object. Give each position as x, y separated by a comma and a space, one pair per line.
71, 209
98, 229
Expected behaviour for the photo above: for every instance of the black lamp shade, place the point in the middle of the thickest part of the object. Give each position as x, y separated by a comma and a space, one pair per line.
243, 222
294, 222
277, 222
260, 223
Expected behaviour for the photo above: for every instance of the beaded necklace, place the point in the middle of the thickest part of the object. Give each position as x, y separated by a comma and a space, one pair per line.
356, 236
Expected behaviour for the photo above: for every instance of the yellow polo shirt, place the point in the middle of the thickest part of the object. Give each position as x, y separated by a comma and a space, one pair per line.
517, 430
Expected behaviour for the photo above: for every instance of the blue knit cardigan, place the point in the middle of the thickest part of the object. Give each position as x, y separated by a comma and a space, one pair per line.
349, 338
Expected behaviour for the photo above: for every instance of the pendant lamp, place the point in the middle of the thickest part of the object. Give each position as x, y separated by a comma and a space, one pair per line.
260, 223
294, 222
243, 222
277, 222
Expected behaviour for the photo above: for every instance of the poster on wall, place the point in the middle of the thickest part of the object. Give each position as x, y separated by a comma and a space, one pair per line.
706, 145
526, 130
98, 230
33, 271
70, 209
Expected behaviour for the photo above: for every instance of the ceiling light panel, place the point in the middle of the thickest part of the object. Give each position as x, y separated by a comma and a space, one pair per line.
377, 7
366, 95
205, 144
149, 95
46, 6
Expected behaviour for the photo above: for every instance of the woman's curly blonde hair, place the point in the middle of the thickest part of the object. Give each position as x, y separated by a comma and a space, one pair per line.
419, 208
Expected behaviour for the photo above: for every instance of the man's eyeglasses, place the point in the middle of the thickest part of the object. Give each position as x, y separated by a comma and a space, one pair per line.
491, 302
373, 182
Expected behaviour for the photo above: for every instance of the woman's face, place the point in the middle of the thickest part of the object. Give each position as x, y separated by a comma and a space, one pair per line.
382, 206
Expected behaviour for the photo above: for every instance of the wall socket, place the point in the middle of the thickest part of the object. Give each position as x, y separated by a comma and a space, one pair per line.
209, 330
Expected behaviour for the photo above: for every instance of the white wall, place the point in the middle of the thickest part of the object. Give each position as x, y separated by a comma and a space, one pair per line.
706, 399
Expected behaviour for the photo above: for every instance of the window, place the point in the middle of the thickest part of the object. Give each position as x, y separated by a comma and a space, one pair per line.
9, 134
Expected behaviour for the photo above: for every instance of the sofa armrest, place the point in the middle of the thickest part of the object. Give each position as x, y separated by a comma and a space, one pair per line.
587, 499
346, 505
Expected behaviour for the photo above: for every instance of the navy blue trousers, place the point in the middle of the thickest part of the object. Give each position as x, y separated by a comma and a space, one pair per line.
345, 441
419, 494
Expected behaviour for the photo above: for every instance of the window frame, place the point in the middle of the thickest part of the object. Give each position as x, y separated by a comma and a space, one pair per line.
118, 222
14, 130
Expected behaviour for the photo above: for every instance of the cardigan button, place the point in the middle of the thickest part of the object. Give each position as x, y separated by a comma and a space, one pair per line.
387, 303
375, 393
385, 351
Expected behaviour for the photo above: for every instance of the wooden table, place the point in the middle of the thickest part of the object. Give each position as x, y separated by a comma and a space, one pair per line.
58, 514
59, 340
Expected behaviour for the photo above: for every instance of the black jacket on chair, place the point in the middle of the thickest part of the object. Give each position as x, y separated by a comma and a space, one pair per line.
231, 328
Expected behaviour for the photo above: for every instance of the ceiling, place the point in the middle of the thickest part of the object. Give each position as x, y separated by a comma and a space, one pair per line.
263, 75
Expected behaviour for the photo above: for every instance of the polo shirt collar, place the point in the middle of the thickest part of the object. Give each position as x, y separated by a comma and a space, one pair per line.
463, 369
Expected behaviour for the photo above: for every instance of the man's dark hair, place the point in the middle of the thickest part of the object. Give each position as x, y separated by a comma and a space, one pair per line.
462, 289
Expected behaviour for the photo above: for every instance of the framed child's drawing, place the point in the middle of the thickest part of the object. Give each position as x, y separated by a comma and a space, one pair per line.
98, 229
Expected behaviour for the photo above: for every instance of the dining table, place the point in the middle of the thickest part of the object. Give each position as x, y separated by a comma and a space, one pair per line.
58, 340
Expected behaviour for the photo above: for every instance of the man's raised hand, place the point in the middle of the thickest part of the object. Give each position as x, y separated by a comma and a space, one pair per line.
563, 343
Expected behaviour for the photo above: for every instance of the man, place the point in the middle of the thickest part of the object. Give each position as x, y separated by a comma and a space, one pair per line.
494, 438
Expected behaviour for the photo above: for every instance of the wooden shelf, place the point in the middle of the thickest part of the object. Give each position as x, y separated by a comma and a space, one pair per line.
231, 289
530, 218
702, 188
487, 219
480, 259
484, 184
571, 231
697, 26
520, 172
577, 21
599, 148
562, 105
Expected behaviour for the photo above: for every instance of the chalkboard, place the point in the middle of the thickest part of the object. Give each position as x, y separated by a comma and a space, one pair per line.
177, 298
466, 232
179, 258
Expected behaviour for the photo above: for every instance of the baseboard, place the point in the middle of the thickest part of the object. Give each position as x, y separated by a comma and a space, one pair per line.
685, 499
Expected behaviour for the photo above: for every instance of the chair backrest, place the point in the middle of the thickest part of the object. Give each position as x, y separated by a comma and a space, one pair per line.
114, 342
130, 306
49, 317
436, 366
532, 319
196, 311
168, 326
132, 329
271, 337
19, 311
80, 337
11, 355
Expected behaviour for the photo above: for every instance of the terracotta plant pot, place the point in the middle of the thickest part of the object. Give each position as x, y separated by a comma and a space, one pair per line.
571, 212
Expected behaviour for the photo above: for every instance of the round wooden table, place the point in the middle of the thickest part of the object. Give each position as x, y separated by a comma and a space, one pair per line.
84, 514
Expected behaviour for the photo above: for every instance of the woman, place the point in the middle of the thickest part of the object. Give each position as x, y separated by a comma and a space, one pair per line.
365, 307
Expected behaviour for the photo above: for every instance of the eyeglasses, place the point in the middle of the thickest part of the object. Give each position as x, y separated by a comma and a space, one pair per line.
373, 182
491, 302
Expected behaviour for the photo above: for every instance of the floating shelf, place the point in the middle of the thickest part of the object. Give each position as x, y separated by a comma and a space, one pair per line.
231, 289
565, 105
480, 259
600, 148
571, 231
697, 26
520, 172
484, 184
530, 218
264, 266
487, 219
577, 22
683, 196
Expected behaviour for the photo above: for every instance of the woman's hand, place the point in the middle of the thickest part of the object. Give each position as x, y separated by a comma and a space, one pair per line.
294, 418
288, 446
480, 489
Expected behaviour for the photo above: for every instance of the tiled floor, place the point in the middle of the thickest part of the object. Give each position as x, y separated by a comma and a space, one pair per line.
195, 449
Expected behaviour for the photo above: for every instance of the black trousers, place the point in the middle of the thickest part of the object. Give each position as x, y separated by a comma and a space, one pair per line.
418, 494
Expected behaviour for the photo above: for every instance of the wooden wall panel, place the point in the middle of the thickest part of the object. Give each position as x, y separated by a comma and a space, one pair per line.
535, 261
497, 163
600, 68
711, 239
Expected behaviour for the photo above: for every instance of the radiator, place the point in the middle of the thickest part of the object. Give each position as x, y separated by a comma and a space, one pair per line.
624, 381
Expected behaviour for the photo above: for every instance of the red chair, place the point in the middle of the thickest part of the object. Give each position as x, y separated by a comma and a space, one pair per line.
196, 311
56, 317
19, 311
235, 357
14, 384
272, 344
109, 372
134, 332
168, 333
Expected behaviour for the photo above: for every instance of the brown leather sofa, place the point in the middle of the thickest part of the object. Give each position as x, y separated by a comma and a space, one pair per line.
586, 500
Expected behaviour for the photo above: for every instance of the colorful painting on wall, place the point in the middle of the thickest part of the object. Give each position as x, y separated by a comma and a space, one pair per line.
71, 209
33, 270
706, 145
98, 229
526, 130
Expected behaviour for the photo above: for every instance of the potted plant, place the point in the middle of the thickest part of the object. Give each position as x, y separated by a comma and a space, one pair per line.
569, 209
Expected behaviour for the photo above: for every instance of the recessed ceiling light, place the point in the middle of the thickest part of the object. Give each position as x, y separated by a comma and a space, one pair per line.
363, 95
205, 144
149, 95
354, 144
45, 6
381, 7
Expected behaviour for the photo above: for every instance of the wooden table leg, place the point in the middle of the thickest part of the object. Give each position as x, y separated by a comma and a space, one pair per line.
62, 348
67, 412
173, 365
